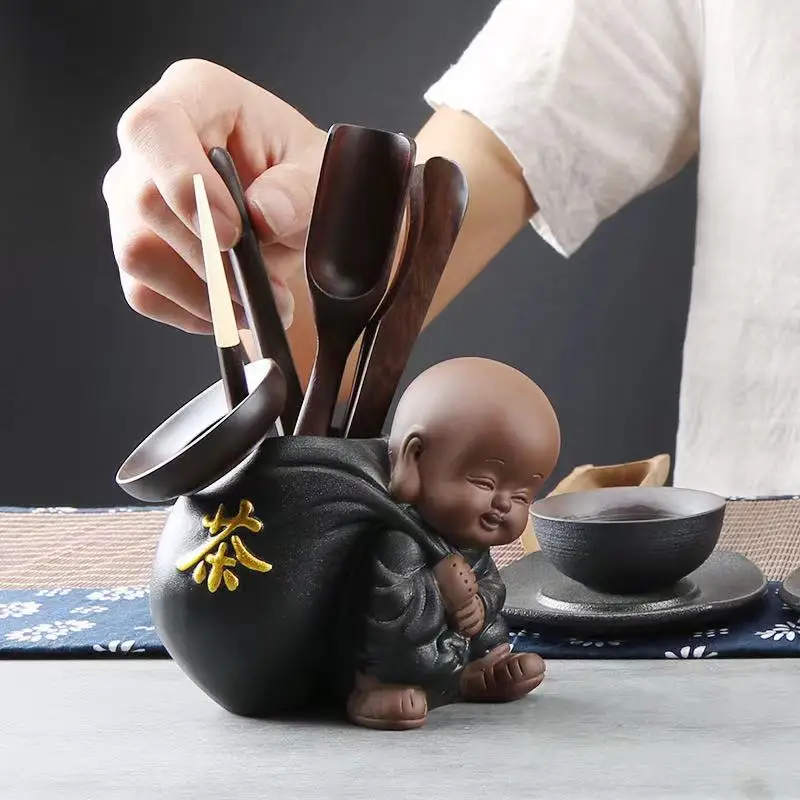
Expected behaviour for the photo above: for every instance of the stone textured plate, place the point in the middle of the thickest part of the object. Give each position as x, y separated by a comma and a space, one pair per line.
540, 595
790, 590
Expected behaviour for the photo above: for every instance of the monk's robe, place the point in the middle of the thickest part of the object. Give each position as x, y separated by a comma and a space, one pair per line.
407, 638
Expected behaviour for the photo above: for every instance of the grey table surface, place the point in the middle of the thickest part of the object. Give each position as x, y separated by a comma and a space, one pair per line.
595, 729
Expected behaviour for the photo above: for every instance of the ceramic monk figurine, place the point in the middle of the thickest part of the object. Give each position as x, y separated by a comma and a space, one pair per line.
471, 443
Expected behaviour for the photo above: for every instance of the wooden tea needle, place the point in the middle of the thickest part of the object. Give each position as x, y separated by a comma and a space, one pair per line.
223, 318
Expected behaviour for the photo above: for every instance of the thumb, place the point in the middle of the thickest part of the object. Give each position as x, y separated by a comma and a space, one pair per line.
280, 202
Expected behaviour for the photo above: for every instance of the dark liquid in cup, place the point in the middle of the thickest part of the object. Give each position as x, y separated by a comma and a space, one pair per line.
636, 513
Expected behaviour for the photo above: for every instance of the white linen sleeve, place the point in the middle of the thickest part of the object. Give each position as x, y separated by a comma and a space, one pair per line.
597, 100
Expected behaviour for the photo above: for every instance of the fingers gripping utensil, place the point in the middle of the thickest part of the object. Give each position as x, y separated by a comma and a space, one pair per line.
445, 193
415, 211
254, 287
354, 226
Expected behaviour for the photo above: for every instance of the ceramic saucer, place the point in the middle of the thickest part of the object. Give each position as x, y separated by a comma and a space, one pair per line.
538, 594
789, 591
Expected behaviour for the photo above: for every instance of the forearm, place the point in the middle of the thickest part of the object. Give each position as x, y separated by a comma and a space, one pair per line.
500, 204
499, 207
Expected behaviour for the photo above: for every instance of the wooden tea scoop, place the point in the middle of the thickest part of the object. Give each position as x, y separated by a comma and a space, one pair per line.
442, 194
354, 227
415, 211
255, 290
223, 319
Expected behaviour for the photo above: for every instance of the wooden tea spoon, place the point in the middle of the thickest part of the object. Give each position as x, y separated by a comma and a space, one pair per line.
443, 195
354, 227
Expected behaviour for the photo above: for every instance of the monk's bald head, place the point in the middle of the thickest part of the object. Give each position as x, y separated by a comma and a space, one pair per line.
471, 442
465, 396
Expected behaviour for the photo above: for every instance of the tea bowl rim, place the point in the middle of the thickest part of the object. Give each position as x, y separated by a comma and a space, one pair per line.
555, 507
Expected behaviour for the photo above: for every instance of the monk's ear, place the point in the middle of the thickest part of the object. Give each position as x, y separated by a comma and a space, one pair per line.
405, 483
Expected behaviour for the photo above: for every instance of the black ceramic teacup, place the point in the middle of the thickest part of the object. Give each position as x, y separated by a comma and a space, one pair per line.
631, 539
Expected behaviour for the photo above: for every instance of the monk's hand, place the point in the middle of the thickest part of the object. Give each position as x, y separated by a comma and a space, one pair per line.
469, 619
459, 589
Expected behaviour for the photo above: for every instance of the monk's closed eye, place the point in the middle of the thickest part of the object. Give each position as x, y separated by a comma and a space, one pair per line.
482, 483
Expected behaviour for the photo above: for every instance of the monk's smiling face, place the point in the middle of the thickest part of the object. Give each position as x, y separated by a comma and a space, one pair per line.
477, 491
472, 442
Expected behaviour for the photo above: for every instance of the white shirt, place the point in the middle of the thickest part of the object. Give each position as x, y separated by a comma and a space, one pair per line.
600, 100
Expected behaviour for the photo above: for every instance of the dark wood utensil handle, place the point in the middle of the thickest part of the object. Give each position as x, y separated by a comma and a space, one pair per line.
256, 292
319, 405
445, 203
234, 380
415, 212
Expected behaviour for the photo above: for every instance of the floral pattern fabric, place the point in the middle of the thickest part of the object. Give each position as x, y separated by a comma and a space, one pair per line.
768, 629
78, 622
92, 623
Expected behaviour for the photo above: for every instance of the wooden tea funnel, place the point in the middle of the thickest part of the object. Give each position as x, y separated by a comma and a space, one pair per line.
203, 441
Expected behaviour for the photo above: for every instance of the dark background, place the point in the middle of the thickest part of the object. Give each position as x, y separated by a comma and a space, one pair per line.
84, 378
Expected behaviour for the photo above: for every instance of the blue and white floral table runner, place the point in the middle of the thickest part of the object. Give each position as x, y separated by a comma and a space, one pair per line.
86, 623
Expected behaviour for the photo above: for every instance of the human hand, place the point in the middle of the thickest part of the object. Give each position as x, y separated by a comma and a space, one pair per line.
164, 140
470, 618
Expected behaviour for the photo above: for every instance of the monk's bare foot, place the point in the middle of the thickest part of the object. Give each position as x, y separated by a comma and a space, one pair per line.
385, 706
501, 676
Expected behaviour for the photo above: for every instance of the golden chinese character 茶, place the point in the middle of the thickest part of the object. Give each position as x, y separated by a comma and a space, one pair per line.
212, 563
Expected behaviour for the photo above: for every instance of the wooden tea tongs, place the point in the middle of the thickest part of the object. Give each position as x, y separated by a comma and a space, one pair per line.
255, 290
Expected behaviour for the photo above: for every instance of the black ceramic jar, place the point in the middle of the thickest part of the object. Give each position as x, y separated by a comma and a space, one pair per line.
256, 579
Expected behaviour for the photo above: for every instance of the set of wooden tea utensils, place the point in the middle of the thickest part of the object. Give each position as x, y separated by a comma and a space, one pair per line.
371, 202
